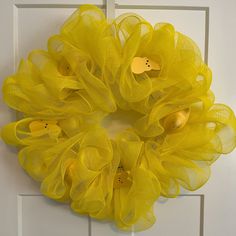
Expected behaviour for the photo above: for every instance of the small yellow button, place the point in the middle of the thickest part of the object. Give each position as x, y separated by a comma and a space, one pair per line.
142, 64
176, 120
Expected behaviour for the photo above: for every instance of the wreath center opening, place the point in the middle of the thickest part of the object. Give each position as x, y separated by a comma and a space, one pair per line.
119, 121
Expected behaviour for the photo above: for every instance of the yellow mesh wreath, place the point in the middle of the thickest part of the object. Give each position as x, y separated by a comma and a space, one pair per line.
94, 70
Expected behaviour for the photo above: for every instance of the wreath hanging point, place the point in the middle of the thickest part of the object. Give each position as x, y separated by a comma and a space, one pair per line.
93, 70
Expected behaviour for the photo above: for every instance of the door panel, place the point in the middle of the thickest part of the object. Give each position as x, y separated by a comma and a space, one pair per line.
39, 216
34, 34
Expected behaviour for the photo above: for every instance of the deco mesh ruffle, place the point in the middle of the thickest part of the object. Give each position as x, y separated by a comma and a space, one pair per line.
94, 68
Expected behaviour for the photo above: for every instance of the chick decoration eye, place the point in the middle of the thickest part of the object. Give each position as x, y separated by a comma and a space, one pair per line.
143, 64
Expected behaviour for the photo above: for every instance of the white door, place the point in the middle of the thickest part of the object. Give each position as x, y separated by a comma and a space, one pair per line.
211, 211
